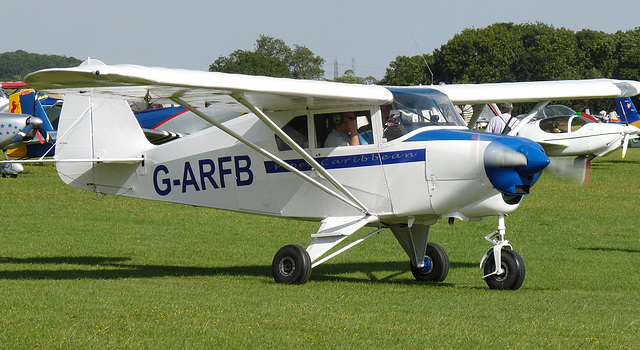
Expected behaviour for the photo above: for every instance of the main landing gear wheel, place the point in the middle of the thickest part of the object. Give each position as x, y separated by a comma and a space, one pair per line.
513, 267
291, 265
436, 265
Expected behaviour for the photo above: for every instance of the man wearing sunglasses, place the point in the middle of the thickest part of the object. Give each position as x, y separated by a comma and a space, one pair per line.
345, 131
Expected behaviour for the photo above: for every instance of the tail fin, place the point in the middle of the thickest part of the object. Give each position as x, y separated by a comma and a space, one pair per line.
25, 102
98, 143
627, 111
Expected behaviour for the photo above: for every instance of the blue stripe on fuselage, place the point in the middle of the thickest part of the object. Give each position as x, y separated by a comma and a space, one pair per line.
351, 161
454, 135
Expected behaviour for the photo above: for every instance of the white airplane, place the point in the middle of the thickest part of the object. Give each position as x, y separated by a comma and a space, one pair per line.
422, 165
572, 134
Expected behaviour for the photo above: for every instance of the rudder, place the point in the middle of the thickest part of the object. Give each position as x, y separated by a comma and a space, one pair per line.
627, 111
91, 129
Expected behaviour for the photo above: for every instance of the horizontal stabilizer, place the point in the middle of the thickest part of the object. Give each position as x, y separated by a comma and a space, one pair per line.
88, 160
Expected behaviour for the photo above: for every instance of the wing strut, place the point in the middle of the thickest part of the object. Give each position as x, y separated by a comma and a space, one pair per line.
269, 155
319, 168
540, 105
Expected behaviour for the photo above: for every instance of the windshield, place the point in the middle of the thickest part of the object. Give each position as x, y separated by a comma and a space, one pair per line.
554, 111
416, 108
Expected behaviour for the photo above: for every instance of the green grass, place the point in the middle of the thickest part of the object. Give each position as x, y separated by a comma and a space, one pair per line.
76, 272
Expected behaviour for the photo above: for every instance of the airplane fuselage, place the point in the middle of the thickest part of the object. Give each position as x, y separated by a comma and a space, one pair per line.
413, 175
574, 136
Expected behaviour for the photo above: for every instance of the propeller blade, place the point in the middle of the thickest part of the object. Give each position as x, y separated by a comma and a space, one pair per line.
576, 170
22, 133
39, 136
625, 145
42, 135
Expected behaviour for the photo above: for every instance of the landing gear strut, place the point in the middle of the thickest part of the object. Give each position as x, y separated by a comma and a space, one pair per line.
503, 267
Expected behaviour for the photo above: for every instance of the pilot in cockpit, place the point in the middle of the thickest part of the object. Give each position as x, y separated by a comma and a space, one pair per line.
345, 131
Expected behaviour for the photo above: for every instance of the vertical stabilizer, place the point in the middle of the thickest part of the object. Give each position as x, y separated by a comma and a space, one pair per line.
627, 112
93, 129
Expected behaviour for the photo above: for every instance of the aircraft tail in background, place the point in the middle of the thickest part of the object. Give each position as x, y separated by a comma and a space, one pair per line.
627, 111
27, 102
628, 114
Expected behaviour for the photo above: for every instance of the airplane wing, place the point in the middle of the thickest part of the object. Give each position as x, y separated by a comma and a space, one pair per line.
538, 91
553, 144
199, 88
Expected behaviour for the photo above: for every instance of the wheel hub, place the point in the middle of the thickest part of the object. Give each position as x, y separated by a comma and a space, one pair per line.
505, 272
428, 265
287, 265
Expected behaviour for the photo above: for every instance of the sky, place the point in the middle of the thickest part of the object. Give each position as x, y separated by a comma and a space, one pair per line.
192, 34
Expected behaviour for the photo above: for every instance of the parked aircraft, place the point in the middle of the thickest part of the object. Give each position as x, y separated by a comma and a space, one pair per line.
26, 125
629, 116
564, 132
422, 165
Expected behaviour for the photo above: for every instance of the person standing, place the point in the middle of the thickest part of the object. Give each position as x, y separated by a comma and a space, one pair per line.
498, 124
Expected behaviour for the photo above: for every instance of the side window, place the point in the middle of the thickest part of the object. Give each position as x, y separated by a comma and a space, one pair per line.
298, 131
328, 128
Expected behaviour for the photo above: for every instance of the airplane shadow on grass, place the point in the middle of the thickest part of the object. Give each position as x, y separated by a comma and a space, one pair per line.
101, 267
613, 162
603, 249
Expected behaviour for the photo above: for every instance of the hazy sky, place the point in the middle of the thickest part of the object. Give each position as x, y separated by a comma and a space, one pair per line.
193, 33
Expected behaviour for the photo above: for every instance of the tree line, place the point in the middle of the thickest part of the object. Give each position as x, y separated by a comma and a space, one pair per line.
15, 65
507, 52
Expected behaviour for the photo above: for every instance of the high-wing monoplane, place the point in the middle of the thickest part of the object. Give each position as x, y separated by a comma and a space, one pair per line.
420, 164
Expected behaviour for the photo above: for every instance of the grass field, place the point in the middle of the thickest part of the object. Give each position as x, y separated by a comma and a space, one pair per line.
77, 272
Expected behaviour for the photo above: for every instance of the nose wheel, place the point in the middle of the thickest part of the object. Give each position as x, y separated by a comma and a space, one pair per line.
503, 267
512, 274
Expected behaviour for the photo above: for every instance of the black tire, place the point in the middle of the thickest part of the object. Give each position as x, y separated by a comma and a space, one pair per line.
436, 266
291, 265
512, 264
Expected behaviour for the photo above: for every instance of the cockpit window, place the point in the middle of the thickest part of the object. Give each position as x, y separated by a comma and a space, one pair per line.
297, 130
328, 136
567, 123
416, 108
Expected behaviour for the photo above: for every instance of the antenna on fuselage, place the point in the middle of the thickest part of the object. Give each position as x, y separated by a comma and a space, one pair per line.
424, 59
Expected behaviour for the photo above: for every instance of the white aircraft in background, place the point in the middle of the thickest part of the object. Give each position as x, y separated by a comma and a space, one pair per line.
573, 134
421, 165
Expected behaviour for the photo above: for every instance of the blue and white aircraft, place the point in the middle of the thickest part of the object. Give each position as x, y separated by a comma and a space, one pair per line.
25, 124
420, 164
629, 116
